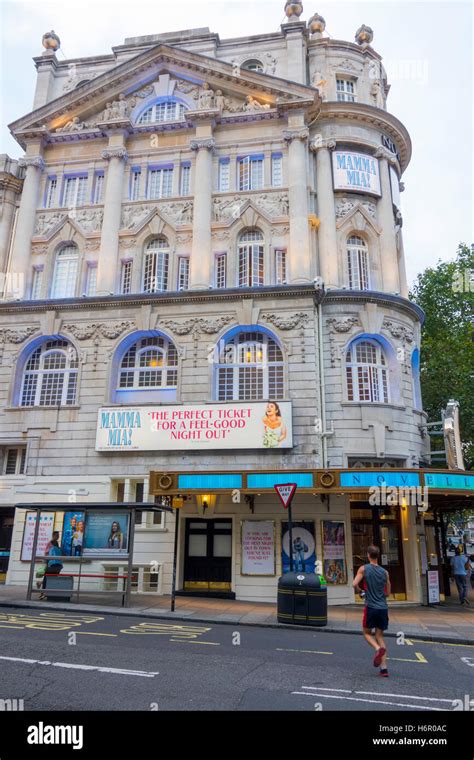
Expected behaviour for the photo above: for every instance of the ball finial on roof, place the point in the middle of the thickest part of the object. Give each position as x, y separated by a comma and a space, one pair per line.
51, 41
316, 25
293, 9
364, 35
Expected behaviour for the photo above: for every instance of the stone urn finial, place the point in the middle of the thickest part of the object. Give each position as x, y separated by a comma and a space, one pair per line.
316, 25
51, 41
364, 35
293, 9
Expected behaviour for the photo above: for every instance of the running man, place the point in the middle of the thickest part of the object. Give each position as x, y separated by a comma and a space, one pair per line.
377, 587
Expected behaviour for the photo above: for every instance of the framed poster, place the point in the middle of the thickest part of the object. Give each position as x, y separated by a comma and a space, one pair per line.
106, 533
433, 586
357, 172
304, 547
258, 547
72, 539
45, 534
334, 552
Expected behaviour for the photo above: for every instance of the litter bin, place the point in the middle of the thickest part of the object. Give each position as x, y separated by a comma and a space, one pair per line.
302, 599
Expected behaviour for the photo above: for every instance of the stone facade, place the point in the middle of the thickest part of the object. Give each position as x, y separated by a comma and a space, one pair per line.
151, 143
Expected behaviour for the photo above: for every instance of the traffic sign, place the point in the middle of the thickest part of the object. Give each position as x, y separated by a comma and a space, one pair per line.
285, 491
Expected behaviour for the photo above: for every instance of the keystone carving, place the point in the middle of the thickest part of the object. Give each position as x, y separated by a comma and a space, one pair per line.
287, 322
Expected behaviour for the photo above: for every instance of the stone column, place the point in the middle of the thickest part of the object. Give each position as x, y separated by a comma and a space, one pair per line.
46, 66
300, 249
117, 157
296, 35
20, 264
327, 237
10, 188
201, 253
385, 218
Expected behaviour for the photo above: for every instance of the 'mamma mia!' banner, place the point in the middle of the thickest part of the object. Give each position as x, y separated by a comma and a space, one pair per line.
263, 425
356, 172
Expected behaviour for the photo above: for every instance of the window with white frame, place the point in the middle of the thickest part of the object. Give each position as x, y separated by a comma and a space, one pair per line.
358, 263
183, 272
14, 461
50, 375
91, 279
160, 183
165, 110
250, 368
185, 179
135, 178
156, 263
223, 182
280, 266
74, 193
151, 363
65, 272
99, 184
250, 258
126, 269
37, 284
253, 64
366, 372
277, 170
221, 270
345, 90
250, 173
51, 197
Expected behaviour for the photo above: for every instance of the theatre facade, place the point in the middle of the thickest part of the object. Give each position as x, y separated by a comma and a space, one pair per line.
204, 295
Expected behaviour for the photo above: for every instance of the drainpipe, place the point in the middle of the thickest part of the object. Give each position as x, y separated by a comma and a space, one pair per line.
322, 385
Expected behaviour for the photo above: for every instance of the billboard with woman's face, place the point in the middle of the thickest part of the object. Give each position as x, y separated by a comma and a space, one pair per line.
106, 533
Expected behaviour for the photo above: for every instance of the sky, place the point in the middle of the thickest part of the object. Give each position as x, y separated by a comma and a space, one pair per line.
427, 48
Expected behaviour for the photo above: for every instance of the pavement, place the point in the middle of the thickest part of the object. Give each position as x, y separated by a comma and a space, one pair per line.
445, 622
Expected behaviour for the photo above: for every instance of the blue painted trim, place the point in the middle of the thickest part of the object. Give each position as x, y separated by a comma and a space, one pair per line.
270, 479
448, 481
358, 479
209, 482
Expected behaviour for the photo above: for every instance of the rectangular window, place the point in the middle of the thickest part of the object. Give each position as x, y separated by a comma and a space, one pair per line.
160, 183
37, 286
156, 272
250, 266
251, 173
50, 200
74, 193
185, 188
221, 270
223, 183
15, 461
135, 178
280, 266
99, 183
345, 90
91, 281
126, 277
183, 273
277, 170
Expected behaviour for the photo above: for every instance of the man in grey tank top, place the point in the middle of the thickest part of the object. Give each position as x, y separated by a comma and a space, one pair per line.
376, 584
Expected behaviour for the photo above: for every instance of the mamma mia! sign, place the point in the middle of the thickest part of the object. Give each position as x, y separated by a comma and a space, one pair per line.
356, 172
265, 425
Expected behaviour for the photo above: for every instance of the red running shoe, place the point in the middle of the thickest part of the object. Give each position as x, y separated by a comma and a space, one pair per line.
378, 656
383, 673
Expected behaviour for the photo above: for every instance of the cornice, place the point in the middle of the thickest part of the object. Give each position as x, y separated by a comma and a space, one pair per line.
389, 300
374, 116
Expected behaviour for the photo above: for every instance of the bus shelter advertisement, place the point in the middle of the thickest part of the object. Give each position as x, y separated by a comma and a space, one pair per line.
264, 425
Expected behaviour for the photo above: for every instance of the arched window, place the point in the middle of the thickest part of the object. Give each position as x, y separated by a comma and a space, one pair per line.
164, 110
253, 64
366, 372
249, 368
149, 364
50, 375
358, 263
250, 252
156, 265
65, 272
415, 375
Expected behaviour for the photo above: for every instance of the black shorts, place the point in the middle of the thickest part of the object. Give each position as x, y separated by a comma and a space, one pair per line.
375, 618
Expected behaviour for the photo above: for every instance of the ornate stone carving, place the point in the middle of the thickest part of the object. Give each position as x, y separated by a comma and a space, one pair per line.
203, 143
204, 97
317, 143
118, 109
76, 125
344, 206
342, 324
106, 329
93, 245
184, 86
183, 239
296, 134
197, 325
382, 152
36, 161
109, 153
399, 331
16, 336
252, 104
320, 84
376, 94
145, 92
272, 204
39, 250
47, 222
89, 219
270, 63
287, 321
347, 65
179, 212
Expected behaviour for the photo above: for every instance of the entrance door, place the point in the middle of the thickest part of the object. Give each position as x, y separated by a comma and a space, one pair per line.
383, 530
7, 518
208, 557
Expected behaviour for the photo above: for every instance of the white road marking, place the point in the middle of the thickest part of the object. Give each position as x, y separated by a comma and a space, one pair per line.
380, 694
468, 660
304, 651
76, 666
372, 701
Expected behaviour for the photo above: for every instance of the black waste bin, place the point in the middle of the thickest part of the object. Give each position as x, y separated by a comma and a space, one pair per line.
302, 599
